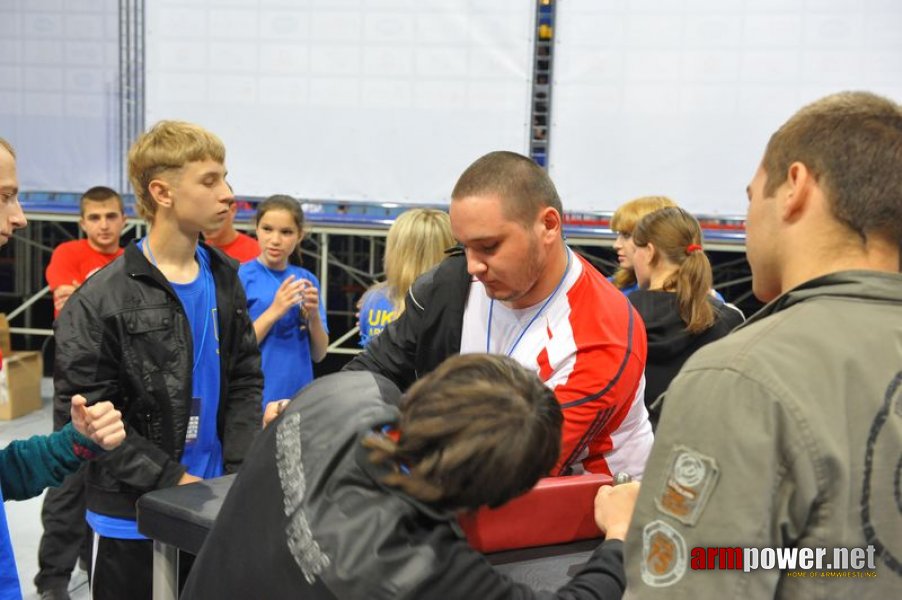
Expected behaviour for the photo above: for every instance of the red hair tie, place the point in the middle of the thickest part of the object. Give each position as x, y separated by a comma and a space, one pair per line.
693, 248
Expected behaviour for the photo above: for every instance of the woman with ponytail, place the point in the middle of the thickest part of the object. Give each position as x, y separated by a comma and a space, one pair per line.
623, 223
674, 298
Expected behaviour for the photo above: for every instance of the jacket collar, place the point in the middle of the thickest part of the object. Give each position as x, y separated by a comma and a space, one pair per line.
137, 264
859, 284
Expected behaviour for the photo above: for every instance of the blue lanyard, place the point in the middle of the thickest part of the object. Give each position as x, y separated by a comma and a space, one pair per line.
488, 331
198, 349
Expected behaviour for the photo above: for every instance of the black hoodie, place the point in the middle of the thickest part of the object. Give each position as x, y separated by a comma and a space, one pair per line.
669, 344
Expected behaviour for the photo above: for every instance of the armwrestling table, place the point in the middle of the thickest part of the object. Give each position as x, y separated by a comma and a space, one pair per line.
179, 518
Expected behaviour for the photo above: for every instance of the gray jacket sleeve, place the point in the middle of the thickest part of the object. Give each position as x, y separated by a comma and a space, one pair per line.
729, 469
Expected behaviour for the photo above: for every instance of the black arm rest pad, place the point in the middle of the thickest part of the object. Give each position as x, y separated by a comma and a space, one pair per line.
183, 515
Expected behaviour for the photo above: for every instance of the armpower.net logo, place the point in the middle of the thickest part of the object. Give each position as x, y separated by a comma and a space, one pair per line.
795, 562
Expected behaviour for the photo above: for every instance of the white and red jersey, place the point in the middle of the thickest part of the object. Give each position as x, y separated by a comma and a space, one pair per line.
588, 345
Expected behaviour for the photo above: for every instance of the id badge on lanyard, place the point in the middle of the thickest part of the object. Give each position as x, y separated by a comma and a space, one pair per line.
193, 422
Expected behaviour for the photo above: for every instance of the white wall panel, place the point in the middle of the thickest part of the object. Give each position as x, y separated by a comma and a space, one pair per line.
384, 100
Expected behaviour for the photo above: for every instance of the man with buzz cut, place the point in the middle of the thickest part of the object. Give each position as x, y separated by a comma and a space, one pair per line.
66, 538
786, 435
102, 220
164, 333
515, 288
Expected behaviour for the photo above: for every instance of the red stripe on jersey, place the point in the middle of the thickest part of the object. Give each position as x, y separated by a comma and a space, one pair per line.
610, 358
545, 370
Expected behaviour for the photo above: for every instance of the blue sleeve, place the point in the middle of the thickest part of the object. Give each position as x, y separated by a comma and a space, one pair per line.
29, 466
244, 276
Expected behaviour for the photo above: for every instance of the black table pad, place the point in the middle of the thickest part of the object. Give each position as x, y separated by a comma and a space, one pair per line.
182, 516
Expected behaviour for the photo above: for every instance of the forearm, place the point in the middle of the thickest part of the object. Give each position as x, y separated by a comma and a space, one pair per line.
602, 578
264, 323
29, 466
467, 574
319, 340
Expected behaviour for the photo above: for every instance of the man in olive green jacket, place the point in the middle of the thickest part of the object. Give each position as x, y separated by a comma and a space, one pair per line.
783, 441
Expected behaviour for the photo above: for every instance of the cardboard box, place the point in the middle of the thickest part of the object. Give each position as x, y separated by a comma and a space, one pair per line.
20, 378
5, 343
20, 384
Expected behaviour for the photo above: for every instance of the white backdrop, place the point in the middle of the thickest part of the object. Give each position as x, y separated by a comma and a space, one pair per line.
384, 100
679, 97
59, 90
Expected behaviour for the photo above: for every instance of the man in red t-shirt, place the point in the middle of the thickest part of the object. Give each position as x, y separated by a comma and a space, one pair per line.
102, 220
239, 246
66, 535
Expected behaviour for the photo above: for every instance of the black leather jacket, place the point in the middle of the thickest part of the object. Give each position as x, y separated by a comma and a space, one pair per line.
123, 336
310, 518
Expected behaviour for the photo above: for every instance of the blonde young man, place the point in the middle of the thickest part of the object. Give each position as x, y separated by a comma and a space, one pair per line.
786, 436
164, 333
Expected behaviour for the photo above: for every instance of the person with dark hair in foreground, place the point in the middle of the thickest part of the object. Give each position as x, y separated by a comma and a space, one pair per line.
352, 492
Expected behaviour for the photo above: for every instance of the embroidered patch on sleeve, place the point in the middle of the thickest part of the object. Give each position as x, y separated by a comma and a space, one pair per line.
690, 481
663, 554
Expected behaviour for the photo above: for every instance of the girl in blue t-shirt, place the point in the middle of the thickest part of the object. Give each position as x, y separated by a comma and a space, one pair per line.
283, 301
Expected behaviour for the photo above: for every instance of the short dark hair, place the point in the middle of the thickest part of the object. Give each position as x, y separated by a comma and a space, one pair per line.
852, 144
478, 430
523, 186
100, 193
